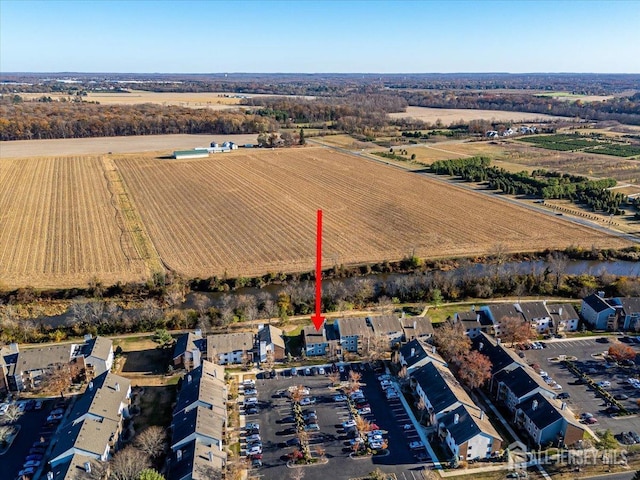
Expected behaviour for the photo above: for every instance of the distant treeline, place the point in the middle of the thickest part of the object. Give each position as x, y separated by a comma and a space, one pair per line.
540, 183
352, 113
43, 120
621, 109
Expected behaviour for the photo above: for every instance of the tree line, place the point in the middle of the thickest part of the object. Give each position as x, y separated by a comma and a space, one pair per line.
45, 120
540, 183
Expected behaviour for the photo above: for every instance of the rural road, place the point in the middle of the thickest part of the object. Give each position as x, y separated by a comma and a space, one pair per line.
492, 194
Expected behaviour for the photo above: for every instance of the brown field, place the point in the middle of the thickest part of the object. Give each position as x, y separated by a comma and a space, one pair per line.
451, 115
163, 144
60, 225
253, 212
213, 100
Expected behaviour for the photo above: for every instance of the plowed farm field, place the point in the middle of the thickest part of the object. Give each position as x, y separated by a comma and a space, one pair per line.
253, 211
60, 225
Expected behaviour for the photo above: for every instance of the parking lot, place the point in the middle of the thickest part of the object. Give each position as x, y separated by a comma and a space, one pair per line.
389, 416
32, 428
582, 398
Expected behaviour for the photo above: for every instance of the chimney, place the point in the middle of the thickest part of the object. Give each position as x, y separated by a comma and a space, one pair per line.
179, 454
87, 467
260, 326
13, 347
198, 332
433, 349
534, 404
560, 311
544, 302
473, 308
456, 419
600, 294
49, 475
117, 387
415, 325
478, 317
189, 378
563, 406
87, 337
480, 346
413, 352
90, 386
481, 414
210, 456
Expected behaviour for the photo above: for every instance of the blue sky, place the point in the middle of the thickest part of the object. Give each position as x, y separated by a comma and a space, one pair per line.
320, 36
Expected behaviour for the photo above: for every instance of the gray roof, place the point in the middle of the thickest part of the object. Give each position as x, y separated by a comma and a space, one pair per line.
421, 350
441, 387
43, 357
546, 411
312, 336
102, 398
101, 347
385, 324
187, 343
533, 310
228, 343
500, 311
200, 421
471, 422
74, 468
90, 436
499, 356
203, 385
196, 460
353, 326
521, 381
417, 326
597, 303
562, 311
271, 335
630, 305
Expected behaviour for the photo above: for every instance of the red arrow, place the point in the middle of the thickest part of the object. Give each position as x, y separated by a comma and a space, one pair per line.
317, 317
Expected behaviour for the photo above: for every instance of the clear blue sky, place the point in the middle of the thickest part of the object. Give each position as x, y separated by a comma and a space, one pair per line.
320, 36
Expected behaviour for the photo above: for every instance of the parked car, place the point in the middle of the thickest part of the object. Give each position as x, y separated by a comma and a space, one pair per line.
287, 419
253, 438
250, 391
254, 450
38, 405
312, 427
252, 426
307, 371
27, 471
32, 463
256, 463
620, 396
34, 456
292, 442
30, 405
341, 368
339, 398
308, 401
604, 384
348, 424
251, 411
635, 436
3, 408
416, 445
563, 396
294, 372
591, 420
251, 401
321, 371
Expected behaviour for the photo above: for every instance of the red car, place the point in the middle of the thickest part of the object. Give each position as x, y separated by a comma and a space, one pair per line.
256, 456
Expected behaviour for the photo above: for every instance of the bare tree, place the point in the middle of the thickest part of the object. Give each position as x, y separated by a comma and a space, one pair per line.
296, 473
422, 408
208, 471
334, 376
354, 381
201, 303
5, 432
151, 440
558, 262
12, 415
127, 464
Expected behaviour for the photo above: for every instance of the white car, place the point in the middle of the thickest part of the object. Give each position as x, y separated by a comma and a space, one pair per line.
364, 411
251, 401
254, 450
321, 371
556, 386
348, 424
543, 373
340, 398
416, 445
253, 438
375, 445
604, 384
308, 401
252, 426
3, 408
